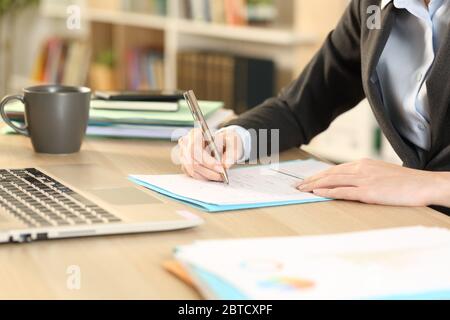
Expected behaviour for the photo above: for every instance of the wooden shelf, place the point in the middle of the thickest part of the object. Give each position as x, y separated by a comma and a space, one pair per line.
267, 35
128, 19
250, 34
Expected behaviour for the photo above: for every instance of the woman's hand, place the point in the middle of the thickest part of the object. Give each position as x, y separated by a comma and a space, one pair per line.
377, 182
196, 159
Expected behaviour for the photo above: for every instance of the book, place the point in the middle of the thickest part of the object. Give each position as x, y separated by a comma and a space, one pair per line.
135, 105
260, 80
145, 69
198, 8
62, 61
182, 117
217, 11
235, 12
231, 12
241, 82
261, 12
158, 7
165, 132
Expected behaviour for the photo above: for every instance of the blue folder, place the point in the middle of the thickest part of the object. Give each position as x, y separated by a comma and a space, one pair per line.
213, 208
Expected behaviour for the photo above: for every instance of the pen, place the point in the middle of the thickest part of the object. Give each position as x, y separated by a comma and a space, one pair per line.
192, 102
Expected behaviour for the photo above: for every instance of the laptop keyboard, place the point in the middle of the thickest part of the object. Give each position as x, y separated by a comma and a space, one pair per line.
40, 201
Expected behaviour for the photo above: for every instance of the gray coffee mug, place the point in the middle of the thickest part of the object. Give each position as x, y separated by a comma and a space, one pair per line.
56, 117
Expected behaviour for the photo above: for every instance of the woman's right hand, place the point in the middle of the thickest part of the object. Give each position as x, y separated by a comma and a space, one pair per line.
197, 161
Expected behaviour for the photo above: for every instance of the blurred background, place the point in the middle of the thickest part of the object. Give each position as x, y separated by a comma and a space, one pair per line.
237, 51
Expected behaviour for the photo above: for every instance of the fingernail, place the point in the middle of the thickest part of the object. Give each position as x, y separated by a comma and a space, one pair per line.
307, 187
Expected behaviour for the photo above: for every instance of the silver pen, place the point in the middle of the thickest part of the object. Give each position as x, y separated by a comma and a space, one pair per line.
192, 102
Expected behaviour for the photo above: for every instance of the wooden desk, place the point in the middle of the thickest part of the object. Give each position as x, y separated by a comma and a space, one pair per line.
129, 267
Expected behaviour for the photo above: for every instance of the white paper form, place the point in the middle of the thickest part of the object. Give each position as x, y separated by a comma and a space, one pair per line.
252, 185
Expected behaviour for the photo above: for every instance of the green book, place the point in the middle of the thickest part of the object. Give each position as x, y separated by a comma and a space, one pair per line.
182, 117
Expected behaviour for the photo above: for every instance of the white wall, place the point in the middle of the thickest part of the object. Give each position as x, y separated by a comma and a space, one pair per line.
352, 137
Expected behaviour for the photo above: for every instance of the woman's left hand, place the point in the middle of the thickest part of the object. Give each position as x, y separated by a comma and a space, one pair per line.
377, 182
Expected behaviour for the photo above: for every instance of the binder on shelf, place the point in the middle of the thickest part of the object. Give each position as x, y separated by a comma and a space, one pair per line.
241, 82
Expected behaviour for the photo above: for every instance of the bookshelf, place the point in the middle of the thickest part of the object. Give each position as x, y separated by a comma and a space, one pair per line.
290, 41
252, 34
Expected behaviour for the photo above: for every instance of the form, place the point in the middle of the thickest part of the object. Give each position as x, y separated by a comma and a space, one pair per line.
250, 187
403, 263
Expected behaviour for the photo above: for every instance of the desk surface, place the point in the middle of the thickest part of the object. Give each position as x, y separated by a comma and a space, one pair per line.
129, 267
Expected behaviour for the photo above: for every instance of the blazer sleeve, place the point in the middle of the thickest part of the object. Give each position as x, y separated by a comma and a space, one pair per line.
330, 85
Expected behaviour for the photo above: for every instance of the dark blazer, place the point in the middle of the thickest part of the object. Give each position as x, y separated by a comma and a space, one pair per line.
340, 75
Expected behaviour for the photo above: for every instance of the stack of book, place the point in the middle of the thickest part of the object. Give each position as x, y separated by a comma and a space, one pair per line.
124, 120
62, 61
231, 12
240, 82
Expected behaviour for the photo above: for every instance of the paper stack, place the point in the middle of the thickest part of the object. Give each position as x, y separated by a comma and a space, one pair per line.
405, 263
143, 124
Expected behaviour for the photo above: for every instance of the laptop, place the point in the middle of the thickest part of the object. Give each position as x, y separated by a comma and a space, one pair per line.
53, 202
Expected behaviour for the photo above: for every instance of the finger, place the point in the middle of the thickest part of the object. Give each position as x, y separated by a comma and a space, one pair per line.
219, 140
185, 156
188, 166
190, 172
331, 181
199, 177
347, 193
204, 157
197, 152
232, 147
195, 169
346, 168
190, 144
207, 173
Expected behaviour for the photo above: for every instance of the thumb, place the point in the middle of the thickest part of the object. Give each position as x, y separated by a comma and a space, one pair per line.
232, 150
219, 140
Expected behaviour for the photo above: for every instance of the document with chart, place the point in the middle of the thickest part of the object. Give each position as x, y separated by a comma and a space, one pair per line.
250, 187
404, 263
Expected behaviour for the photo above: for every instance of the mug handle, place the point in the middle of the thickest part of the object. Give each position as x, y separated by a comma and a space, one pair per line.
22, 130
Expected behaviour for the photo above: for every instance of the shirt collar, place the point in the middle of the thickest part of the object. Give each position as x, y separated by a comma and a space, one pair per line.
412, 4
397, 3
384, 3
